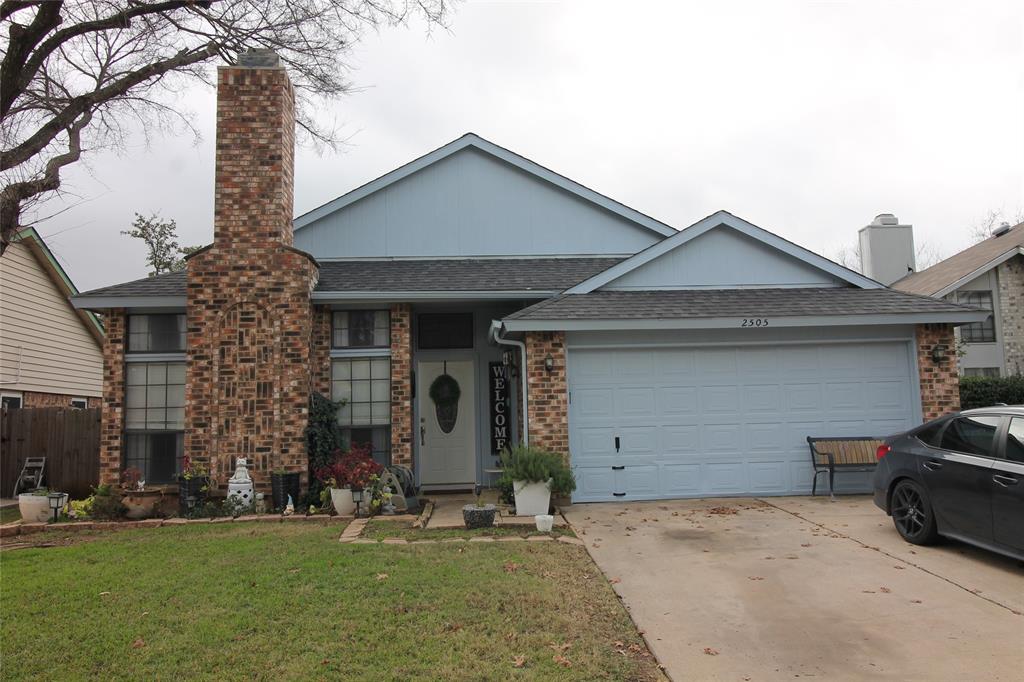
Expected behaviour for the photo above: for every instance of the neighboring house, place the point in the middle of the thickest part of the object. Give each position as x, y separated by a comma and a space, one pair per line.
988, 275
665, 363
51, 354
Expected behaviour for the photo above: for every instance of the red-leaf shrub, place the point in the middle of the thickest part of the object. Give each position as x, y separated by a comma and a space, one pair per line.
352, 469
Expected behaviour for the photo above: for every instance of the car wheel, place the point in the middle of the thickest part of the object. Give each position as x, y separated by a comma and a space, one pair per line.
912, 513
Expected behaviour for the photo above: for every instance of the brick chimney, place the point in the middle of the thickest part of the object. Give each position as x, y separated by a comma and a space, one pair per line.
249, 311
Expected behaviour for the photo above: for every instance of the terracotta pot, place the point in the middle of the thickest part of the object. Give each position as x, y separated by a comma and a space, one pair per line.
140, 504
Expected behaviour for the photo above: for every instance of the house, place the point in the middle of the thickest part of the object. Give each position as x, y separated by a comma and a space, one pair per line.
51, 354
988, 275
473, 297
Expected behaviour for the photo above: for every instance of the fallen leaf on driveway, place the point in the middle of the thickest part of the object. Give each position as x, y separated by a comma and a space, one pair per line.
754, 577
615, 581
518, 661
915, 601
710, 652
805, 544
884, 589
900, 568
138, 643
868, 591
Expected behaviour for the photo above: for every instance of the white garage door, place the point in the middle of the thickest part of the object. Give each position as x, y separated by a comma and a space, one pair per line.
698, 422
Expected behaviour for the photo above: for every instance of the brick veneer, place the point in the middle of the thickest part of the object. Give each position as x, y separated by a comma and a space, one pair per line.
1011, 310
249, 316
321, 351
401, 384
37, 399
547, 392
112, 413
940, 382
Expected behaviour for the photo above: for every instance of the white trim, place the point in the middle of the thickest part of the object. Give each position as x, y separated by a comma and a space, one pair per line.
712, 222
736, 322
974, 274
101, 302
408, 296
337, 353
414, 259
494, 333
82, 399
155, 357
14, 394
739, 344
509, 157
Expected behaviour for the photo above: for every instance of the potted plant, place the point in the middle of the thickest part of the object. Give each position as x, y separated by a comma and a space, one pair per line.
193, 485
478, 515
138, 502
34, 506
284, 484
354, 469
535, 474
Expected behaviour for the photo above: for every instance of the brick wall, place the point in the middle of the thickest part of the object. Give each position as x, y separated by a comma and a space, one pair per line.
548, 397
321, 351
401, 384
1011, 309
112, 414
250, 321
36, 399
940, 383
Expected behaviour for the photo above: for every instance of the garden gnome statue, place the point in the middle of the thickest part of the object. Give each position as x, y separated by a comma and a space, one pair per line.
240, 484
289, 508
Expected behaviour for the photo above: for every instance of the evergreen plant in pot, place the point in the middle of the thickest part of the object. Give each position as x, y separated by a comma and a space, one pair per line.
478, 515
535, 474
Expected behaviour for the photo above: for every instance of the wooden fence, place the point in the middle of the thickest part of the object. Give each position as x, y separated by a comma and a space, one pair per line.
69, 439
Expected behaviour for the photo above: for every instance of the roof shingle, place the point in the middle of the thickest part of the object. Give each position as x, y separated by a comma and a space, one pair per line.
941, 275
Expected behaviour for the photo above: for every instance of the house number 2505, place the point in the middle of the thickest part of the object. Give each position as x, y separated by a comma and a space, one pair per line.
755, 322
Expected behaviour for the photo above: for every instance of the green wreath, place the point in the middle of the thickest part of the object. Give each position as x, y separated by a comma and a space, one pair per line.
445, 391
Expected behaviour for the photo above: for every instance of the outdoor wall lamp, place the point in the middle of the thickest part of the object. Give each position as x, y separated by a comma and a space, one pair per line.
549, 364
938, 353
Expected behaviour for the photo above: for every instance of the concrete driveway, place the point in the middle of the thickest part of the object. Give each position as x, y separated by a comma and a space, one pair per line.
784, 588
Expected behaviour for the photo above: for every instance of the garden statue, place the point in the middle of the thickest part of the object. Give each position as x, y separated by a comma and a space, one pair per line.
289, 508
240, 485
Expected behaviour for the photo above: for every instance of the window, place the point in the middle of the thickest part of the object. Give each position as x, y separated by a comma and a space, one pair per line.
978, 332
970, 435
156, 333
361, 329
79, 403
929, 435
1015, 440
445, 330
155, 419
981, 371
364, 384
10, 401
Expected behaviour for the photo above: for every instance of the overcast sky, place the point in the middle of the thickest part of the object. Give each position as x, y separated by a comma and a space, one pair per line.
806, 118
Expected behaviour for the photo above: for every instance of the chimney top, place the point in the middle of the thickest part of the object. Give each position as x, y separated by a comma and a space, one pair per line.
885, 219
259, 58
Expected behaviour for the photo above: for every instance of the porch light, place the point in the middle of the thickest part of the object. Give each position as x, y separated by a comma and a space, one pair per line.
55, 503
938, 353
549, 364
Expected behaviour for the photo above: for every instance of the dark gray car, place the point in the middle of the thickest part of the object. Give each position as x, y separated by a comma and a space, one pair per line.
960, 476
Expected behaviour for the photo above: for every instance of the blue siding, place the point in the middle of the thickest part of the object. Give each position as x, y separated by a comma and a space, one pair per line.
471, 204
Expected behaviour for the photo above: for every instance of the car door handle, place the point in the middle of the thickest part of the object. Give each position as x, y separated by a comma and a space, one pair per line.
1005, 481
932, 465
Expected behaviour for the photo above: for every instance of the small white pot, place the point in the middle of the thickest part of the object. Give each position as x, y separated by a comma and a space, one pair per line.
341, 498
544, 522
531, 498
36, 508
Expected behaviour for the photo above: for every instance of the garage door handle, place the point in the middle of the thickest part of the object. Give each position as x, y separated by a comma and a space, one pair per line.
618, 468
1005, 481
619, 494
932, 465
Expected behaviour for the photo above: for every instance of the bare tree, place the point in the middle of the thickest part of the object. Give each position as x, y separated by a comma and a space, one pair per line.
983, 227
925, 256
76, 74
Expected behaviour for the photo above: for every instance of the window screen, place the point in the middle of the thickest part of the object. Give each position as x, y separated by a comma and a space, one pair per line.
156, 333
361, 329
364, 384
445, 330
971, 435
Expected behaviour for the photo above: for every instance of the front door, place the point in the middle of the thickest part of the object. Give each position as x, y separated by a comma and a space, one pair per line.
447, 428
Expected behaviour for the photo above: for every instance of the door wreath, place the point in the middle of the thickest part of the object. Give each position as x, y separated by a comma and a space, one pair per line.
445, 393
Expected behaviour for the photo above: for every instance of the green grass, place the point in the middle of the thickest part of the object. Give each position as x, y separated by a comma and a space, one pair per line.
379, 530
9, 515
288, 601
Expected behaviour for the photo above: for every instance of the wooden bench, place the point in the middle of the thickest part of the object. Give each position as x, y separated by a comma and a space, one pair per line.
845, 453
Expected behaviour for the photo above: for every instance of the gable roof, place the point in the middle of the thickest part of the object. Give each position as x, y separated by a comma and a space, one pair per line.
957, 270
509, 157
713, 221
31, 239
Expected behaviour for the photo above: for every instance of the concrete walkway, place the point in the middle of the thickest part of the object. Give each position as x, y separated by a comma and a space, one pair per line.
742, 589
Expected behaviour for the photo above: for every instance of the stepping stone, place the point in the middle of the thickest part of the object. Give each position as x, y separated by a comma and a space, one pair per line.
511, 538
569, 540
454, 540
395, 541
481, 539
175, 522
539, 538
423, 542
364, 541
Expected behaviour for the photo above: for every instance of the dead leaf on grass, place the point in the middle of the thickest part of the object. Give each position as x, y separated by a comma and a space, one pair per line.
560, 647
562, 661
138, 643
104, 594
452, 627
511, 567
518, 661
382, 576
710, 652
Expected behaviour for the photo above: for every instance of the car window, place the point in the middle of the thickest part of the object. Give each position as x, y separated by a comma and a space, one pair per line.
971, 435
1015, 440
929, 435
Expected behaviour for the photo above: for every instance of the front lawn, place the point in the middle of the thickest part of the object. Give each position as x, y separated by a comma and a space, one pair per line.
379, 530
288, 601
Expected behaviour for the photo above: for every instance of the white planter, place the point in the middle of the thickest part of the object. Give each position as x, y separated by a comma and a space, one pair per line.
544, 522
532, 499
36, 508
341, 498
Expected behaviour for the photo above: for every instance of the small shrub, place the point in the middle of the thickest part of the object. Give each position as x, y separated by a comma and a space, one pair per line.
535, 465
987, 391
105, 505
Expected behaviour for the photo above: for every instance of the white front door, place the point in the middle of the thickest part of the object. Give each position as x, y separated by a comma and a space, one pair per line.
447, 430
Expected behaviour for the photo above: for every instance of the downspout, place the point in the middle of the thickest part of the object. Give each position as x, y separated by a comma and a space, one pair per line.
495, 334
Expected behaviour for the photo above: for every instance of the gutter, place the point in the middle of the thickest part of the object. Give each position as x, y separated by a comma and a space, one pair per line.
494, 334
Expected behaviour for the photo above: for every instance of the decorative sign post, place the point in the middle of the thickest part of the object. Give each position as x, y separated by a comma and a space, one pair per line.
500, 433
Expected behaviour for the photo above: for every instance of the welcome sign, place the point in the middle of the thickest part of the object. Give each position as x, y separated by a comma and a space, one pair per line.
500, 433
